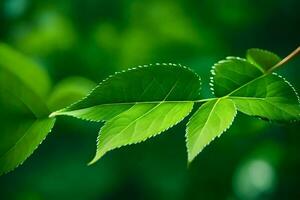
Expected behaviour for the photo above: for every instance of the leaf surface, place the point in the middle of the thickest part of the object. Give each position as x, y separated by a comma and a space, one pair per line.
20, 140
210, 121
137, 104
148, 84
264, 95
139, 123
269, 97
230, 74
262, 58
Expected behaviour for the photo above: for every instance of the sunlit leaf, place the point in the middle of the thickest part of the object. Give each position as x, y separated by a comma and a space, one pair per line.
269, 97
231, 73
143, 85
255, 93
139, 123
138, 104
210, 121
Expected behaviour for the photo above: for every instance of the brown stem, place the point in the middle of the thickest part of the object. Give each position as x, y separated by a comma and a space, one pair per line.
285, 60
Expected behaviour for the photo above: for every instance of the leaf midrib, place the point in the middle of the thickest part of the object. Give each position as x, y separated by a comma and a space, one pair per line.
264, 99
64, 111
149, 111
208, 118
246, 84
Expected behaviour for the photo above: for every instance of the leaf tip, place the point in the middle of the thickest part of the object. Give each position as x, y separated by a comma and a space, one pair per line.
190, 160
91, 162
188, 164
97, 157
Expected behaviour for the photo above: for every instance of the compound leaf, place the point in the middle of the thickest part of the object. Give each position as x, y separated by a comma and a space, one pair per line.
139, 103
210, 121
264, 95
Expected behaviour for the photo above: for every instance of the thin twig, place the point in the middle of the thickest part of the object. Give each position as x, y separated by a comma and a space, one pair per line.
285, 60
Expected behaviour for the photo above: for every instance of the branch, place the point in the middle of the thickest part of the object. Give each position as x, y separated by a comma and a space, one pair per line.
285, 60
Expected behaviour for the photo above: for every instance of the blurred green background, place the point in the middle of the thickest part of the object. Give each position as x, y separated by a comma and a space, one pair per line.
94, 38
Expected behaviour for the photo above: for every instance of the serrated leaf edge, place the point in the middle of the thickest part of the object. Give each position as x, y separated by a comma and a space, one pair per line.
297, 96
218, 136
21, 163
213, 73
152, 136
56, 113
261, 50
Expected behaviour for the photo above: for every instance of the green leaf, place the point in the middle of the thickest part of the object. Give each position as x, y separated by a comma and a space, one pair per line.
69, 91
264, 95
21, 130
20, 139
269, 97
210, 121
232, 73
139, 123
26, 70
263, 59
24, 115
142, 85
137, 104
